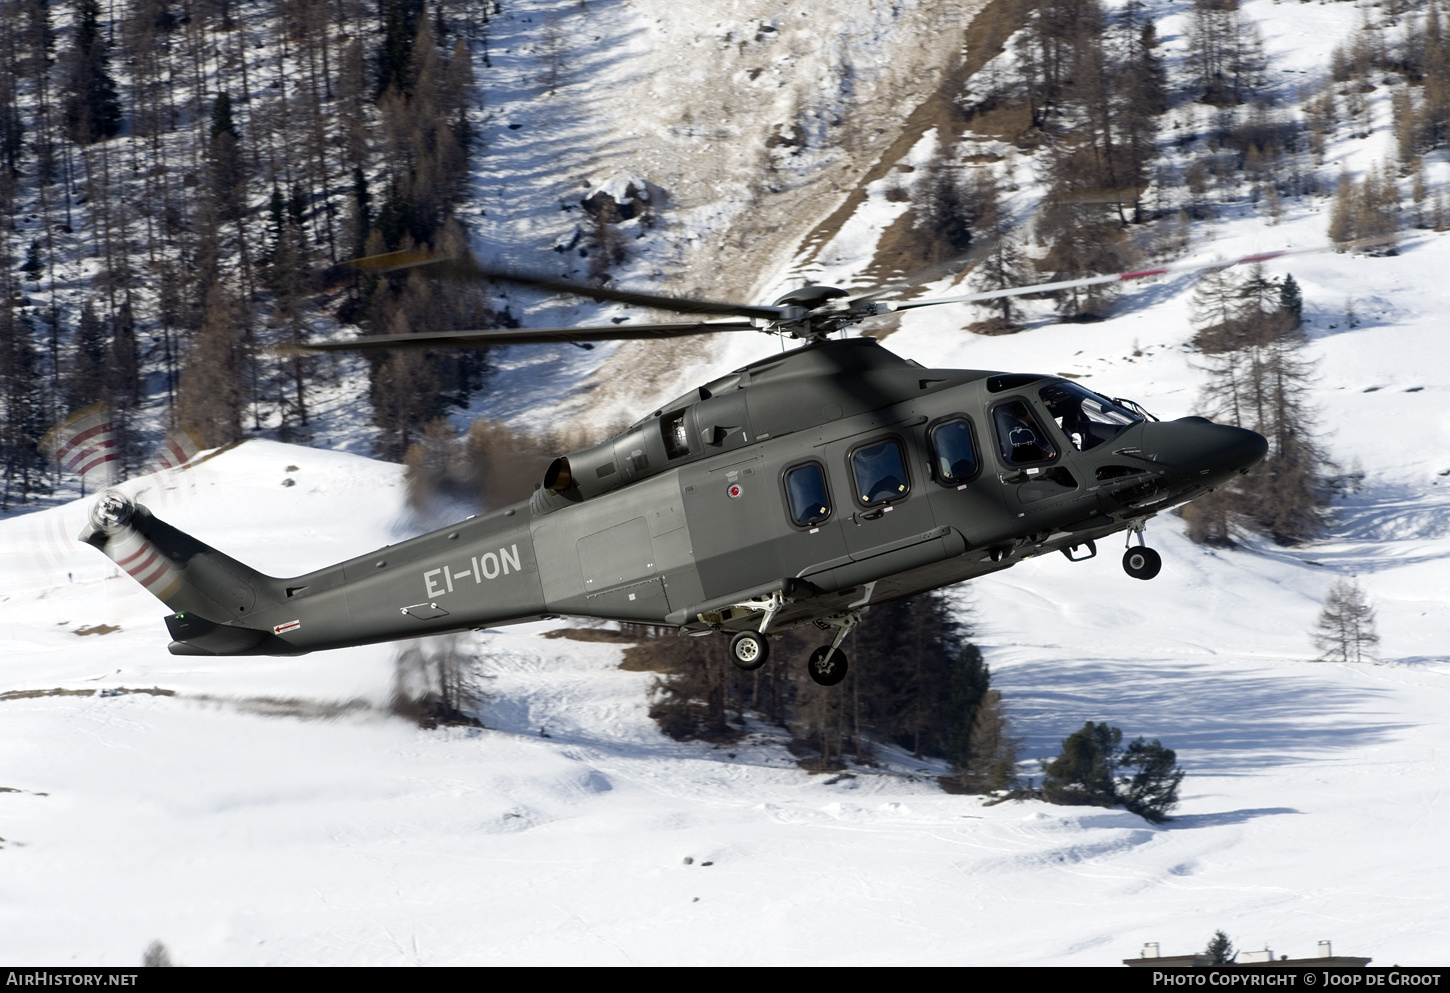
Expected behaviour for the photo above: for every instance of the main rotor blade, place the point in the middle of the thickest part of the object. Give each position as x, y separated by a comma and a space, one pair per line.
1123, 277
464, 268
515, 336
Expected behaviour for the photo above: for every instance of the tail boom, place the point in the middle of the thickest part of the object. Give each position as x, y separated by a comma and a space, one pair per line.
481, 572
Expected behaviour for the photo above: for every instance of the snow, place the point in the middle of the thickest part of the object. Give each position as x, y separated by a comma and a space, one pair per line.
271, 811
1312, 807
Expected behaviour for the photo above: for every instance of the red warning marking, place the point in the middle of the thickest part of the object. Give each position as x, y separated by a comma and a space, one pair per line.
289, 626
142, 550
155, 576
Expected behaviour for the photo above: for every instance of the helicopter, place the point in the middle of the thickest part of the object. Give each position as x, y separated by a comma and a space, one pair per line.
802, 488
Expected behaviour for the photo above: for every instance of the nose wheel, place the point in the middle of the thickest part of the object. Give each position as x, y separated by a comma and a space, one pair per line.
1142, 563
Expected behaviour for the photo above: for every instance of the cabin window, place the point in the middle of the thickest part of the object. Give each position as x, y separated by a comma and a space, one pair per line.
1086, 419
1020, 438
677, 439
954, 451
880, 472
805, 490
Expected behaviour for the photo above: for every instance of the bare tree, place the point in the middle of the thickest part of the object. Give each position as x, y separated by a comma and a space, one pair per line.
434, 683
1346, 629
555, 53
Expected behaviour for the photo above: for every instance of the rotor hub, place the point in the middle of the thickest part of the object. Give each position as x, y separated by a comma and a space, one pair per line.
111, 511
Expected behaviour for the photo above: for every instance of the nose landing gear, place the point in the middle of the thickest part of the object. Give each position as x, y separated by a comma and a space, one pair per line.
1141, 562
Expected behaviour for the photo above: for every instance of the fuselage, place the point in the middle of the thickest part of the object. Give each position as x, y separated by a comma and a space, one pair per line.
828, 478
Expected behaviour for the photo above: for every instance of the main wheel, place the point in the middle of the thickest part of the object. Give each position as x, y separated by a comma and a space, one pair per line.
827, 667
749, 650
1142, 563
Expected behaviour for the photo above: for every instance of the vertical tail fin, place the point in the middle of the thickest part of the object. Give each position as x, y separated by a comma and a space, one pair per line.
203, 586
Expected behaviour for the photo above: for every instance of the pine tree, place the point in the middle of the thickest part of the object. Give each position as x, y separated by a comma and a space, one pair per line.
1082, 775
86, 381
1377, 210
23, 408
946, 209
395, 57
970, 683
221, 117
407, 392
1093, 770
1004, 267
1342, 214
212, 393
33, 267
1259, 379
1291, 303
977, 744
92, 106
1346, 628
905, 650
1225, 53
1217, 313
1220, 950
1150, 787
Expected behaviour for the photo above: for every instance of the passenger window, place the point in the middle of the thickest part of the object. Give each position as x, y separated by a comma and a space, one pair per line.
805, 489
880, 472
955, 454
1019, 437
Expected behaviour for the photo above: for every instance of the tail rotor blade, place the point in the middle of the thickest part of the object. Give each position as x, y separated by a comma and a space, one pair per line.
179, 447
85, 444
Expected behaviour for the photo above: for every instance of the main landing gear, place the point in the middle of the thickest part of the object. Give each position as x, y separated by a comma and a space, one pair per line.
1141, 562
827, 665
749, 651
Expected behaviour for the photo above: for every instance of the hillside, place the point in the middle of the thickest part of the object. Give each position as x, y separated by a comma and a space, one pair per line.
270, 812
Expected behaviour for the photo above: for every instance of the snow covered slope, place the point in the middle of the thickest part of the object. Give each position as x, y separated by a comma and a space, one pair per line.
270, 812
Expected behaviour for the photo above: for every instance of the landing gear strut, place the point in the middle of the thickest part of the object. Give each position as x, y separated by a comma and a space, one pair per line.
1141, 562
827, 665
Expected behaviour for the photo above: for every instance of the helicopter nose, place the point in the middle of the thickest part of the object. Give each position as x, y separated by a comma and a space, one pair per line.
1197, 446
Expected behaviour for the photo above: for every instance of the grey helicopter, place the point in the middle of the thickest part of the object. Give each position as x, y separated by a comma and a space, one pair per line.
802, 488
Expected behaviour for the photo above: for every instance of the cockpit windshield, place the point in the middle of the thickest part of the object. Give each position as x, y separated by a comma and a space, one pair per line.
1084, 417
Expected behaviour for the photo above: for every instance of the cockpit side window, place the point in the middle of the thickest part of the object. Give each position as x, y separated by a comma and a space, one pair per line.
805, 491
1086, 419
954, 451
880, 472
677, 438
1020, 438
